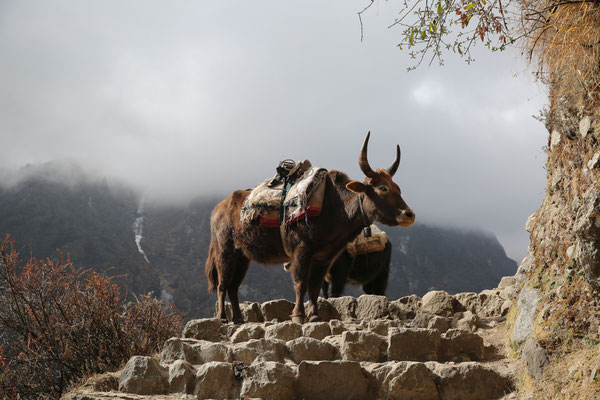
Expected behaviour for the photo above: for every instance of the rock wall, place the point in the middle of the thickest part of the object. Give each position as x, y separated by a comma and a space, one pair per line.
557, 315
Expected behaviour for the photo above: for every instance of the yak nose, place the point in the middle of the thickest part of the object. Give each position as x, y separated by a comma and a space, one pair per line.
409, 214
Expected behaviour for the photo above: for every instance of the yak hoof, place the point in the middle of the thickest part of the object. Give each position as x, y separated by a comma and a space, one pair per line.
238, 321
299, 319
223, 320
315, 318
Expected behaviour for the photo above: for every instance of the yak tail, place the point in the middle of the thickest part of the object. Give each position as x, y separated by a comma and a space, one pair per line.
211, 270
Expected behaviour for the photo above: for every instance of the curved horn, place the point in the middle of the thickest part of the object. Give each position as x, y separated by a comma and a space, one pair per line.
362, 158
394, 167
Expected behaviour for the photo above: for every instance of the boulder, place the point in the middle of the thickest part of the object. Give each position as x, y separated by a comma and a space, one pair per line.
172, 350
247, 332
336, 342
345, 306
251, 312
309, 349
259, 350
440, 303
490, 303
363, 346
508, 293
431, 321
527, 307
316, 330
143, 375
535, 358
285, 331
584, 126
202, 351
216, 380
458, 345
404, 380
277, 309
203, 329
369, 307
469, 300
181, 377
466, 321
329, 380
405, 307
337, 327
381, 326
507, 281
413, 344
269, 380
469, 381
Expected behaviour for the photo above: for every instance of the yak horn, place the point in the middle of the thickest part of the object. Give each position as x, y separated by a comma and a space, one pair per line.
394, 167
362, 159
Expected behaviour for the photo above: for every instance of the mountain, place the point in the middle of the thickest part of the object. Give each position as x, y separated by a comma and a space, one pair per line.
58, 211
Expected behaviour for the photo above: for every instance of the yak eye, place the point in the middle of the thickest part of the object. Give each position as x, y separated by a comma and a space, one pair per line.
383, 188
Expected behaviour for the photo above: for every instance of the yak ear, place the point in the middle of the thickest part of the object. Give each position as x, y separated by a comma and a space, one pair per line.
356, 187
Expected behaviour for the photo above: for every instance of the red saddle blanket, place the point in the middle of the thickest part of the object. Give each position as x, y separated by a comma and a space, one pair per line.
302, 201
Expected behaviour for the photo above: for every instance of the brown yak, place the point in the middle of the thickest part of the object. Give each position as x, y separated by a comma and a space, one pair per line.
348, 207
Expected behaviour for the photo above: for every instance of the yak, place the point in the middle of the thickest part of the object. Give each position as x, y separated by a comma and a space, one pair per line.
371, 270
310, 246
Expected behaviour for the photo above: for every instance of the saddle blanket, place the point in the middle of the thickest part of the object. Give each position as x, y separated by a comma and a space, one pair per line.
304, 199
363, 245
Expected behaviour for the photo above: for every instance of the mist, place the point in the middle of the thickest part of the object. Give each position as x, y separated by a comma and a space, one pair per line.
200, 99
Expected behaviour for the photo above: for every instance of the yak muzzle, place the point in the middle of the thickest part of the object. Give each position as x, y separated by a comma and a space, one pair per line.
406, 218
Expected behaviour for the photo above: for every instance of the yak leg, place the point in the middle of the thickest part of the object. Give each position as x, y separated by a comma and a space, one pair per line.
378, 284
339, 273
241, 263
221, 289
317, 273
300, 271
325, 289
338, 280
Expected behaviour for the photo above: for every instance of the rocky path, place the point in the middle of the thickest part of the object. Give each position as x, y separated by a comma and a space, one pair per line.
440, 347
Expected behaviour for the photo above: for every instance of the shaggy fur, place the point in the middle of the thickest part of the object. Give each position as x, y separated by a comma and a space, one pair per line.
370, 270
312, 245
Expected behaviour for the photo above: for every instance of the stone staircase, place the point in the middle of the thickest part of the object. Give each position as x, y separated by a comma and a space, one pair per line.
435, 348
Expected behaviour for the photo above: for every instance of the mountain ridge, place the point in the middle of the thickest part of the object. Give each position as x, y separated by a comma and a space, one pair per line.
92, 220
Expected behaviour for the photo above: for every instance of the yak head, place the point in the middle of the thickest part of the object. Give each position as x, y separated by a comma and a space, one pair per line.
382, 198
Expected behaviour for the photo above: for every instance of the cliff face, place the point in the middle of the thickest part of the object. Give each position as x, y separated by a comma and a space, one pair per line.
162, 249
90, 221
557, 317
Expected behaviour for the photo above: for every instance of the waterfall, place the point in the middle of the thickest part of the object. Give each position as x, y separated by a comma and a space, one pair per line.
138, 227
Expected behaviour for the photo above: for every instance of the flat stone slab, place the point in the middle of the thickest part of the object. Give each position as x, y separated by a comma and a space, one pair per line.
332, 380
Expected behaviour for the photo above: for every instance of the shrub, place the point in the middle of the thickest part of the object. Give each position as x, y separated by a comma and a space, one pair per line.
59, 323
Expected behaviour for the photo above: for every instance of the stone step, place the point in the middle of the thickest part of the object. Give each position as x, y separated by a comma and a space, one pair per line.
377, 341
488, 303
368, 348
331, 380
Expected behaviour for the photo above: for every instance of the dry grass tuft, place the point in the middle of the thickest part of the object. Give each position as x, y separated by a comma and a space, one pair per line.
564, 37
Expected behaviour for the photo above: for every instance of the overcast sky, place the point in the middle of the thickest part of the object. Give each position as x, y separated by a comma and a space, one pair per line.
185, 98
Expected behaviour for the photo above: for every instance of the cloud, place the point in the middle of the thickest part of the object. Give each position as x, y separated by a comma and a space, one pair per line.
428, 93
205, 98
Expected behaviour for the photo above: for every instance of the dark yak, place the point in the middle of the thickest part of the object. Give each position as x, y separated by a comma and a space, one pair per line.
370, 270
348, 207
